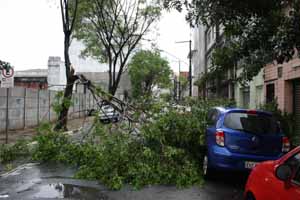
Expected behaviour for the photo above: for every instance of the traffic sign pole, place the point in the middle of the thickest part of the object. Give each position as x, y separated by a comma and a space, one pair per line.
7, 117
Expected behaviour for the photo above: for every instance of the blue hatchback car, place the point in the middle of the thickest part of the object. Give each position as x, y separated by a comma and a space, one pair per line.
238, 139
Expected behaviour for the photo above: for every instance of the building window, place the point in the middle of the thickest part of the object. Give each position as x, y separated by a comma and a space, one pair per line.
270, 93
221, 29
246, 97
258, 96
209, 63
213, 33
210, 36
279, 72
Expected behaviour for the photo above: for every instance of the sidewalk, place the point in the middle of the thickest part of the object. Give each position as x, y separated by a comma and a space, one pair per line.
28, 133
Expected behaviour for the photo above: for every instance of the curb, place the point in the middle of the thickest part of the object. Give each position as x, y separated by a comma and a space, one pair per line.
17, 168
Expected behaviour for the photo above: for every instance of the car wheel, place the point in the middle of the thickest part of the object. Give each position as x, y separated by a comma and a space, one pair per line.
250, 196
205, 168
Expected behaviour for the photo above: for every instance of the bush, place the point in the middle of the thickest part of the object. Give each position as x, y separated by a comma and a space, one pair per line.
179, 130
9, 153
50, 146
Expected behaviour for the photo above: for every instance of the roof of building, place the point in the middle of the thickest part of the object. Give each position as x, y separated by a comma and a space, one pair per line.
32, 73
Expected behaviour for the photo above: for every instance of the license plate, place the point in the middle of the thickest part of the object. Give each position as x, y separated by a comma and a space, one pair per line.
250, 164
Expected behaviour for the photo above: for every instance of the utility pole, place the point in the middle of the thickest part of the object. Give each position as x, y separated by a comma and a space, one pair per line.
175, 88
179, 85
190, 67
190, 64
7, 117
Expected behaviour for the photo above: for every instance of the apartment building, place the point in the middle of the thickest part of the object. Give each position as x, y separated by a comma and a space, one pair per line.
250, 95
282, 83
205, 40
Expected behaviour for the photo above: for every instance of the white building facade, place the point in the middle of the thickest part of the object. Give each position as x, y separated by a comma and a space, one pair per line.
95, 71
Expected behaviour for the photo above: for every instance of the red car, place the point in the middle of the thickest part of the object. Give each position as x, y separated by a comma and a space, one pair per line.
276, 180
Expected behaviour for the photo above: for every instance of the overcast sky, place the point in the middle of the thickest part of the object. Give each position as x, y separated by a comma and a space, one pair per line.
31, 31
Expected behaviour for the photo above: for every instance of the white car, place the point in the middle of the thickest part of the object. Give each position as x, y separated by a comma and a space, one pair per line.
108, 114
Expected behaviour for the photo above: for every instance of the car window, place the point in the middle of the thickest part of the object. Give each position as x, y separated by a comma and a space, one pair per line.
294, 163
213, 117
253, 123
297, 176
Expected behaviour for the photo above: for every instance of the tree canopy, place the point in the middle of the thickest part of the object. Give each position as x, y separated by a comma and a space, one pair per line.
148, 69
4, 65
111, 30
256, 32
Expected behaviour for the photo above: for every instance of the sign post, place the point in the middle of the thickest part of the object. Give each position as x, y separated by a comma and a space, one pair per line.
7, 81
7, 118
7, 78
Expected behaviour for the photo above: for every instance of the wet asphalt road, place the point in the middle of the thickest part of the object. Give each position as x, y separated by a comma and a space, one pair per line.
34, 181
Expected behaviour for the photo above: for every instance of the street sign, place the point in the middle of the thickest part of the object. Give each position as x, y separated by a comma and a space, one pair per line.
8, 73
7, 78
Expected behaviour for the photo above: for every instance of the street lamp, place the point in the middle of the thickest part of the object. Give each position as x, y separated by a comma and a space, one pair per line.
179, 62
190, 64
161, 50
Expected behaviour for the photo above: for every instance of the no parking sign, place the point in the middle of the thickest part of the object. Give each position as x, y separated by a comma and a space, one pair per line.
7, 78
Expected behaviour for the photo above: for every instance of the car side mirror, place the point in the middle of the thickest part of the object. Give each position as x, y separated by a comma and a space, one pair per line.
283, 172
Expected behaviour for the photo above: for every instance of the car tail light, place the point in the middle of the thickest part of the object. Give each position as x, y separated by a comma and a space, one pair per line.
251, 112
285, 144
220, 138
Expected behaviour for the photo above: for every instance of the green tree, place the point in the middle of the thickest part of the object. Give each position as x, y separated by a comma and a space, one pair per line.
4, 65
256, 32
112, 29
148, 69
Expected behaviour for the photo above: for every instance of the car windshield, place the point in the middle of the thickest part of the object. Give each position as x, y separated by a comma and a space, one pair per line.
253, 123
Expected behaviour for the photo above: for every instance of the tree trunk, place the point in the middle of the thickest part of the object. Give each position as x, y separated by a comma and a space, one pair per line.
63, 115
113, 89
115, 83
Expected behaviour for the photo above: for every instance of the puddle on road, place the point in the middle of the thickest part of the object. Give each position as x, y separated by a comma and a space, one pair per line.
61, 191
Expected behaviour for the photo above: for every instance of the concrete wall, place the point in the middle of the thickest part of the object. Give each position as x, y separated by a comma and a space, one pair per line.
102, 78
29, 107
